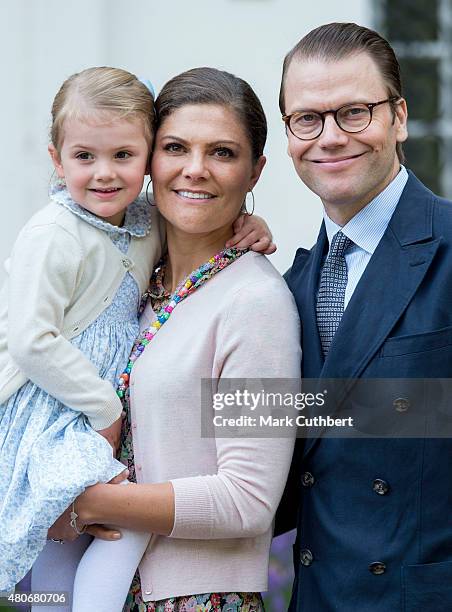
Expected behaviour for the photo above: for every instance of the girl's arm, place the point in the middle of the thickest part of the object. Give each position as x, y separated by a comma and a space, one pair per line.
45, 269
239, 500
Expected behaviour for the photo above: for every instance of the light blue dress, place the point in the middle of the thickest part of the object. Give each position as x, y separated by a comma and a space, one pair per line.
48, 452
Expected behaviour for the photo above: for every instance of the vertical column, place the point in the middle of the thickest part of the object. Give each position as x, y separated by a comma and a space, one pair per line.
445, 37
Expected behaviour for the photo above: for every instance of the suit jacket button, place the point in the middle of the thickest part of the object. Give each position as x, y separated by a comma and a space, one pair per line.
380, 487
307, 479
377, 568
401, 404
306, 557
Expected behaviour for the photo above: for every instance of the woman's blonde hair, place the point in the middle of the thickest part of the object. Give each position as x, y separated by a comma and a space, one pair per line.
102, 90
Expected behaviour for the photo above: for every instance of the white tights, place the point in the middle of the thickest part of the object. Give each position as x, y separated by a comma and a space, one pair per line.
97, 576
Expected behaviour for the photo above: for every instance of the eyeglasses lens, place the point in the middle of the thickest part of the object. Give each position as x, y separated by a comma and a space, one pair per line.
350, 118
354, 117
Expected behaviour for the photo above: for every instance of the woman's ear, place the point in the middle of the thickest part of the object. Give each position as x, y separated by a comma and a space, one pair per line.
55, 156
257, 170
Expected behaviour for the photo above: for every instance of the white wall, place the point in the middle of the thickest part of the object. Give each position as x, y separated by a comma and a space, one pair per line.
44, 41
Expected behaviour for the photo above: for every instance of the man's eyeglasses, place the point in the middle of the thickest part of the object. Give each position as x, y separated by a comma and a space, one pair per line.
351, 118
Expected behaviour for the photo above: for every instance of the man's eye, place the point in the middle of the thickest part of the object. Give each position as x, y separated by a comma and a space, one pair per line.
307, 118
354, 112
84, 156
173, 147
123, 155
223, 152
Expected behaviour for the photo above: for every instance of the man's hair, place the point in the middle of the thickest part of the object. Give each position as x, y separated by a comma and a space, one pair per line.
336, 41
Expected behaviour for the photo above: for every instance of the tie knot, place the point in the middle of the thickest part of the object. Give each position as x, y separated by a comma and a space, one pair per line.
339, 244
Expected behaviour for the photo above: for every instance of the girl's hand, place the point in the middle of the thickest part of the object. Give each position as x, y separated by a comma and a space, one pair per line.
252, 232
113, 434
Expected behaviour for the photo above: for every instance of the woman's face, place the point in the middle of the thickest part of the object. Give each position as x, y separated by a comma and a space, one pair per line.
202, 168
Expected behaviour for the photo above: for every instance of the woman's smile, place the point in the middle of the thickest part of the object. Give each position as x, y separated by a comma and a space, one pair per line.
195, 197
202, 168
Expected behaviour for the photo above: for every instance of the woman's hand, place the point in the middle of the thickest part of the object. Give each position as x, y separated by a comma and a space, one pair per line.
251, 231
62, 529
113, 434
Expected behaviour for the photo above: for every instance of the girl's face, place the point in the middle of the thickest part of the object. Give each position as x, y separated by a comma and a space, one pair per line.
202, 168
103, 163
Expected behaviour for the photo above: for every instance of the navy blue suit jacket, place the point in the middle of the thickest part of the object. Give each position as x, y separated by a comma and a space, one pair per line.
397, 324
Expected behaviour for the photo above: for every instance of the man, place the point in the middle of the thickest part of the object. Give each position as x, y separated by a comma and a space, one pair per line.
375, 301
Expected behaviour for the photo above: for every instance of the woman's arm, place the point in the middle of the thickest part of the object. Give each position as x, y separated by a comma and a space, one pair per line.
259, 339
44, 272
143, 507
241, 498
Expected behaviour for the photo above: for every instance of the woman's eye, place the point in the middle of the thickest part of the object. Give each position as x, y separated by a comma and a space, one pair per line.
173, 147
224, 152
84, 156
123, 155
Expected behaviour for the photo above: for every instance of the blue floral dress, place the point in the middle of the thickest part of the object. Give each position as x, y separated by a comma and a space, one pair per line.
48, 452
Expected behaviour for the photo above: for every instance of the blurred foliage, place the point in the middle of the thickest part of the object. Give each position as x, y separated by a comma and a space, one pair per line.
408, 20
280, 574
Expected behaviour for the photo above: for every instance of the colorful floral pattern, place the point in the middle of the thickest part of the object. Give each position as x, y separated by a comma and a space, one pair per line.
212, 602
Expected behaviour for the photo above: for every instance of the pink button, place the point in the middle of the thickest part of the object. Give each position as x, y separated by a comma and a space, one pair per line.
134, 426
139, 468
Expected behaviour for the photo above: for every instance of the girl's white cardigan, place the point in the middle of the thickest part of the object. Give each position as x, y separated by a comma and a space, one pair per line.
62, 274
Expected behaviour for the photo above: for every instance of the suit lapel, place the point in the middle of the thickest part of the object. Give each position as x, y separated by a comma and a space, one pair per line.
387, 286
377, 303
303, 282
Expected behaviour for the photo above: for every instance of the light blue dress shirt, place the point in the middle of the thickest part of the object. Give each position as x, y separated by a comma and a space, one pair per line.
366, 229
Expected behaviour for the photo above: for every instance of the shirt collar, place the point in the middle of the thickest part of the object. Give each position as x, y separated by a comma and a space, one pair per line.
367, 227
137, 220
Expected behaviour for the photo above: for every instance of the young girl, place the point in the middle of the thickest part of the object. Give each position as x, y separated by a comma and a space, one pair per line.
68, 319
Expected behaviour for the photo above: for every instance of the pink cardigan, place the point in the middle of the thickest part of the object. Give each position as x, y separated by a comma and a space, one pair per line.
242, 323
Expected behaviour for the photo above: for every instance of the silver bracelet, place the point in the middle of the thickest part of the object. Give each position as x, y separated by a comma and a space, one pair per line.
73, 521
57, 540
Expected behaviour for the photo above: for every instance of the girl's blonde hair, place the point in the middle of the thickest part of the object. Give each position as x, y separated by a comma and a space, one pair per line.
105, 90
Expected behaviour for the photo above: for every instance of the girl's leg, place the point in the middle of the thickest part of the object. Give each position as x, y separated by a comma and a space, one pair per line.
54, 570
106, 570
105, 573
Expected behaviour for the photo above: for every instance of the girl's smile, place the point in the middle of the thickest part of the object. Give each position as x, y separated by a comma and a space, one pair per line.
103, 162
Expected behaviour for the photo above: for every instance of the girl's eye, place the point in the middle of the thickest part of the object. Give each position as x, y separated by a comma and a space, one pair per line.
224, 152
123, 155
84, 156
173, 147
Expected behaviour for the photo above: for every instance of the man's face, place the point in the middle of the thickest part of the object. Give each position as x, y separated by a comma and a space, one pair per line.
346, 170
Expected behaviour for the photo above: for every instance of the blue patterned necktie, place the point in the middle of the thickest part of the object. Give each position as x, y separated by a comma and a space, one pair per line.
330, 299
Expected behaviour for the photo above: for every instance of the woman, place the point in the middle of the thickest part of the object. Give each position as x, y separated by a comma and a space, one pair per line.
209, 502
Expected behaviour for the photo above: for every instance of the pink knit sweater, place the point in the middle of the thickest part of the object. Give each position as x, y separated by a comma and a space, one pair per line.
242, 323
